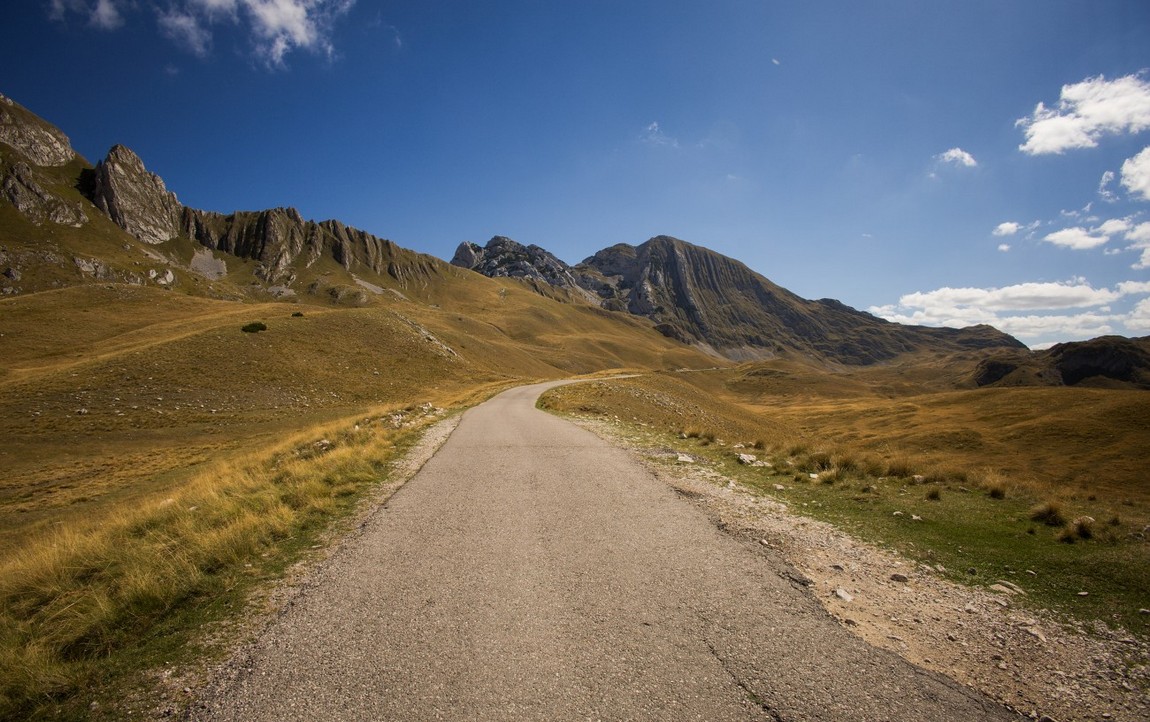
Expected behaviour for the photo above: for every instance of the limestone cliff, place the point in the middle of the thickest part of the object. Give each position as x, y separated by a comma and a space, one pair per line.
134, 198
39, 142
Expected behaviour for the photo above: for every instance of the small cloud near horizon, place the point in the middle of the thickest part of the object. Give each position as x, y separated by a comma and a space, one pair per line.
1033, 312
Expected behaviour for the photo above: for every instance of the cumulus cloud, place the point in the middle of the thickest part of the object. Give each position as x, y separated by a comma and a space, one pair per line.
1078, 238
1022, 296
1003, 247
957, 156
1139, 318
277, 27
1136, 175
1033, 312
1081, 239
1139, 236
1086, 111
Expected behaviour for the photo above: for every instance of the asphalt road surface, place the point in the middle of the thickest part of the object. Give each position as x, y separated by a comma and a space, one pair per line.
531, 571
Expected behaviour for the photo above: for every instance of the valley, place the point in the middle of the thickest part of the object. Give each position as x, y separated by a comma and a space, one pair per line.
194, 402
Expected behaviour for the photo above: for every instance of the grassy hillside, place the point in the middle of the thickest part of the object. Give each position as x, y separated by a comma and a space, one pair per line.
123, 407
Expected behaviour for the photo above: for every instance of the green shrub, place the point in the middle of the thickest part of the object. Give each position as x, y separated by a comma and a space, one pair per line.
255, 327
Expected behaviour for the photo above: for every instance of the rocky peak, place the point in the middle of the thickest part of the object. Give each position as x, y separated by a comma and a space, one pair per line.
503, 257
41, 143
135, 199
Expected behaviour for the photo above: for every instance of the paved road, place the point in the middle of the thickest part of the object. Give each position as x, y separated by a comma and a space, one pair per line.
531, 571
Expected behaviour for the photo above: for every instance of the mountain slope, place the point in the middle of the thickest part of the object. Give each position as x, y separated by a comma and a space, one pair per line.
717, 303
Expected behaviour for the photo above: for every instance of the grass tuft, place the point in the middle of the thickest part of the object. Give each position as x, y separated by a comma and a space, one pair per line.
1049, 513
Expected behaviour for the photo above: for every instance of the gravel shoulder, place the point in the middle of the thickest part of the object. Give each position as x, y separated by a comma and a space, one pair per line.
1026, 659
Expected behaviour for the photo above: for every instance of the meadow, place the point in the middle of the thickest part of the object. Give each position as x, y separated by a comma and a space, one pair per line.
169, 456
166, 454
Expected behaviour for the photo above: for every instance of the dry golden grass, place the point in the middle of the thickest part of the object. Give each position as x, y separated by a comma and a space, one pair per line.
78, 596
157, 458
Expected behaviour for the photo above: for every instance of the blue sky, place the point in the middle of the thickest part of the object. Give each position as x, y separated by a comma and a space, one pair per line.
932, 162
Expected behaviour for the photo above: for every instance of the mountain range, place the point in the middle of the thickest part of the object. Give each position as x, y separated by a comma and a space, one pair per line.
66, 222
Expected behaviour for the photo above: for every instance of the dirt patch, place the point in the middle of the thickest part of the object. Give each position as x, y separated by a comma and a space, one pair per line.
1027, 659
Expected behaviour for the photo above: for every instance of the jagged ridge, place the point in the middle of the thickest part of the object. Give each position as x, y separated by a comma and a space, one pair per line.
704, 298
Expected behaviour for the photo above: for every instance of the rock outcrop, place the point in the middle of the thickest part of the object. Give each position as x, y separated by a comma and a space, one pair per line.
135, 199
21, 187
1106, 361
279, 238
503, 257
40, 142
1116, 358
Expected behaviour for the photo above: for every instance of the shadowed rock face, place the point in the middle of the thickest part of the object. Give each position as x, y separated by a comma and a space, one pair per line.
1111, 357
1109, 361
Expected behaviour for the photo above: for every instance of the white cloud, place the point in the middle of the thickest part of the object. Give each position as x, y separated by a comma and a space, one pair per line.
106, 15
1104, 191
103, 14
1136, 175
1134, 288
1081, 239
1007, 228
1087, 111
1034, 312
1139, 318
186, 30
1004, 247
283, 25
1022, 296
1139, 236
1077, 238
775, 61
277, 27
957, 156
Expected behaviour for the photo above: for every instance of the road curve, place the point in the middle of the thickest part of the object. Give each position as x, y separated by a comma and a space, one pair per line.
531, 571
